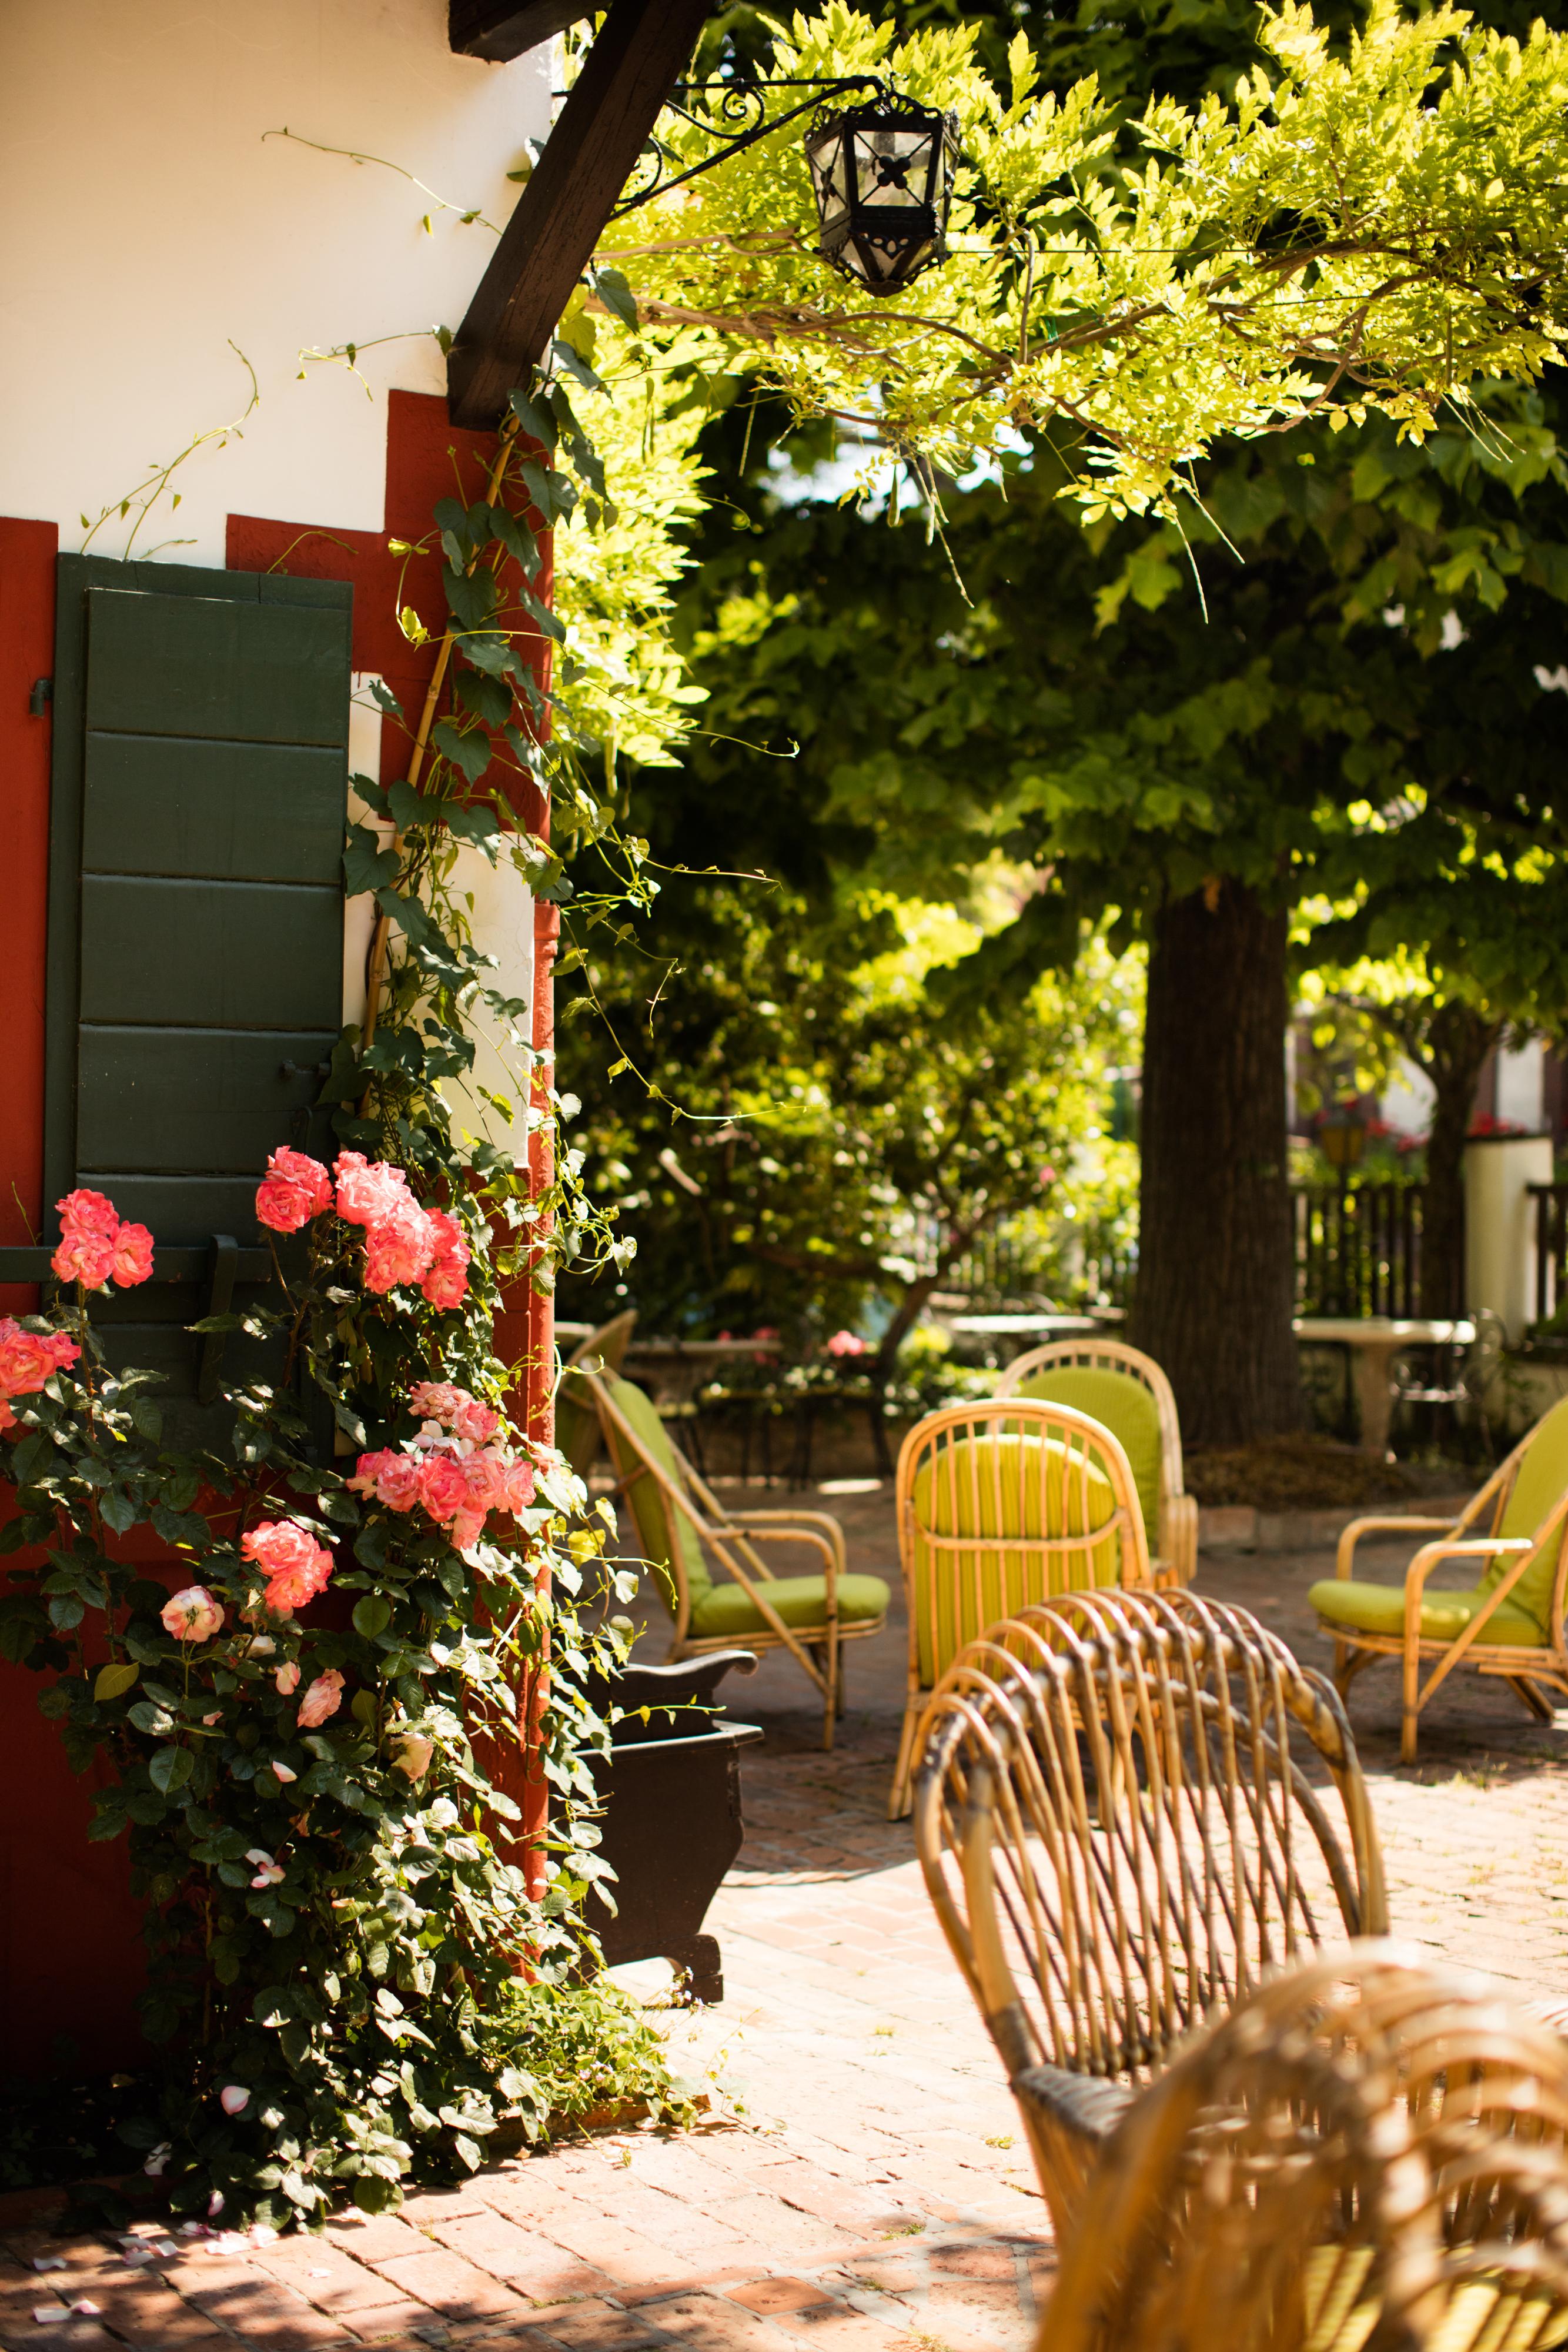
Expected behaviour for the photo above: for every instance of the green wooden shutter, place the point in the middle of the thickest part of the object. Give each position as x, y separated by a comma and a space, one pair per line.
195, 901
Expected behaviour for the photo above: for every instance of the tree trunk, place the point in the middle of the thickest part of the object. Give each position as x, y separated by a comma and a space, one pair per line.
1458, 1041
1215, 1268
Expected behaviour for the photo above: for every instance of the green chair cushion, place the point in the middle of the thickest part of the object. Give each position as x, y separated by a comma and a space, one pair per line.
956, 1594
1128, 1411
576, 1430
800, 1600
1541, 1478
1380, 1609
664, 1530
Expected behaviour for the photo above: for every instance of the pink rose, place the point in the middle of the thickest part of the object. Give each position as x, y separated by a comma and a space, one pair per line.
392, 1478
84, 1258
88, 1212
296, 1566
132, 1260
846, 1343
287, 1679
443, 1488
413, 1753
323, 1698
454, 1408
27, 1358
447, 1280
192, 1615
519, 1488
368, 1190
398, 1246
295, 1189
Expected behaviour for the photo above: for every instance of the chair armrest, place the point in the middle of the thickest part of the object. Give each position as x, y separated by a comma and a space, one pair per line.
1085, 2106
821, 1525
1350, 1536
794, 1532
1470, 1547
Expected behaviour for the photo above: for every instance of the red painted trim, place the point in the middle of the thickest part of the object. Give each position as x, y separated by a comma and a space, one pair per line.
28, 553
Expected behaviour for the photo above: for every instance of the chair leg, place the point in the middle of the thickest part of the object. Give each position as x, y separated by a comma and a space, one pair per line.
899, 1799
1411, 1708
1529, 1697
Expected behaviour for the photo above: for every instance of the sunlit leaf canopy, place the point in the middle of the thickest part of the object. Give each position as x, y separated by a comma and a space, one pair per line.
1379, 223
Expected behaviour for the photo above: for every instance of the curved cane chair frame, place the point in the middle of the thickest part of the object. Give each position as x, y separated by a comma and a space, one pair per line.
1521, 1665
1103, 1877
732, 1537
1089, 1445
1175, 1541
1369, 2152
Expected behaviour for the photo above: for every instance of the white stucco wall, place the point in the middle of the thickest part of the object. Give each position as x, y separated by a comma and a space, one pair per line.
148, 222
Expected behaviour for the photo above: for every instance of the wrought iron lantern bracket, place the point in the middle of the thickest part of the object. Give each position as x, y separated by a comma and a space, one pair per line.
742, 103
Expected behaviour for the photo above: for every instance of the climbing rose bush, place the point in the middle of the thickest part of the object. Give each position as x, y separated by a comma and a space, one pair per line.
305, 1683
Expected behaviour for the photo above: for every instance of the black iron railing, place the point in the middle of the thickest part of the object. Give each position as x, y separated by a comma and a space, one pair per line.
1358, 1248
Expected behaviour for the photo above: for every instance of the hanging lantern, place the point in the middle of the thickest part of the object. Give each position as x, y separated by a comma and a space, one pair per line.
883, 176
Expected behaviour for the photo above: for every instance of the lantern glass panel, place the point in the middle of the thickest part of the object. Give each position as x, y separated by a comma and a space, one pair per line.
893, 167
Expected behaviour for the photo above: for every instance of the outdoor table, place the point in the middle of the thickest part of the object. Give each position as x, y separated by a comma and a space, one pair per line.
1024, 1329
1377, 1339
678, 1365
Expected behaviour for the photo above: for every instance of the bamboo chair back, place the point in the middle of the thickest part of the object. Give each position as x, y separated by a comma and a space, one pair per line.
1124, 1388
1000, 1504
1371, 2155
1130, 1807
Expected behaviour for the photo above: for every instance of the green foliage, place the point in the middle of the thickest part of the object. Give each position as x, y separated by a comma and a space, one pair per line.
827, 1099
1370, 223
584, 2048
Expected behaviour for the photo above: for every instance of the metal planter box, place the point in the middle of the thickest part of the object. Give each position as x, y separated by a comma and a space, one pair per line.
672, 1822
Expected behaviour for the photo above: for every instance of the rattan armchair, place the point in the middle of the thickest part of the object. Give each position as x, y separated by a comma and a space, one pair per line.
1128, 1391
1129, 1808
1367, 2156
1514, 1535
682, 1525
999, 1504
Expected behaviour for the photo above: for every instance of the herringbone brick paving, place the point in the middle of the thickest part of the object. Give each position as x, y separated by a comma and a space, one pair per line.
860, 2182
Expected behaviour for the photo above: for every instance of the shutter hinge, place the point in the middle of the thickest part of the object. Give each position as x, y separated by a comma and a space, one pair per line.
42, 694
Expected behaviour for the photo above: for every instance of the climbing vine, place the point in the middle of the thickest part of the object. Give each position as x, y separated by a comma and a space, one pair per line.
316, 1734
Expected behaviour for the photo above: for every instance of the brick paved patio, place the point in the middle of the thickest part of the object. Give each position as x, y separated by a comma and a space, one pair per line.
860, 2182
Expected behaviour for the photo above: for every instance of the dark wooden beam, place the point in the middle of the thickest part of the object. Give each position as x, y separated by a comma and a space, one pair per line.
499, 30
636, 60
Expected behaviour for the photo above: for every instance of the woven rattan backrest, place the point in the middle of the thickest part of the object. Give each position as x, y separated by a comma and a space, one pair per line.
1129, 1807
1367, 2156
1108, 1356
1001, 1504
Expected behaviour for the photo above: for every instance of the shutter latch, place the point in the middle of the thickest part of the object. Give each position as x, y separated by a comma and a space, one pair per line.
42, 694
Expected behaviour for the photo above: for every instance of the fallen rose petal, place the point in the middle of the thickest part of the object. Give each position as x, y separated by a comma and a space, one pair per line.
233, 2098
214, 2204
137, 2255
283, 1771
89, 2309
49, 2314
159, 2158
48, 2261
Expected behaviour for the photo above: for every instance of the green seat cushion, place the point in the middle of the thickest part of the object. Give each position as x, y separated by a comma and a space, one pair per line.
1537, 1485
1380, 1609
664, 1529
1128, 1411
800, 1600
1001, 1482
